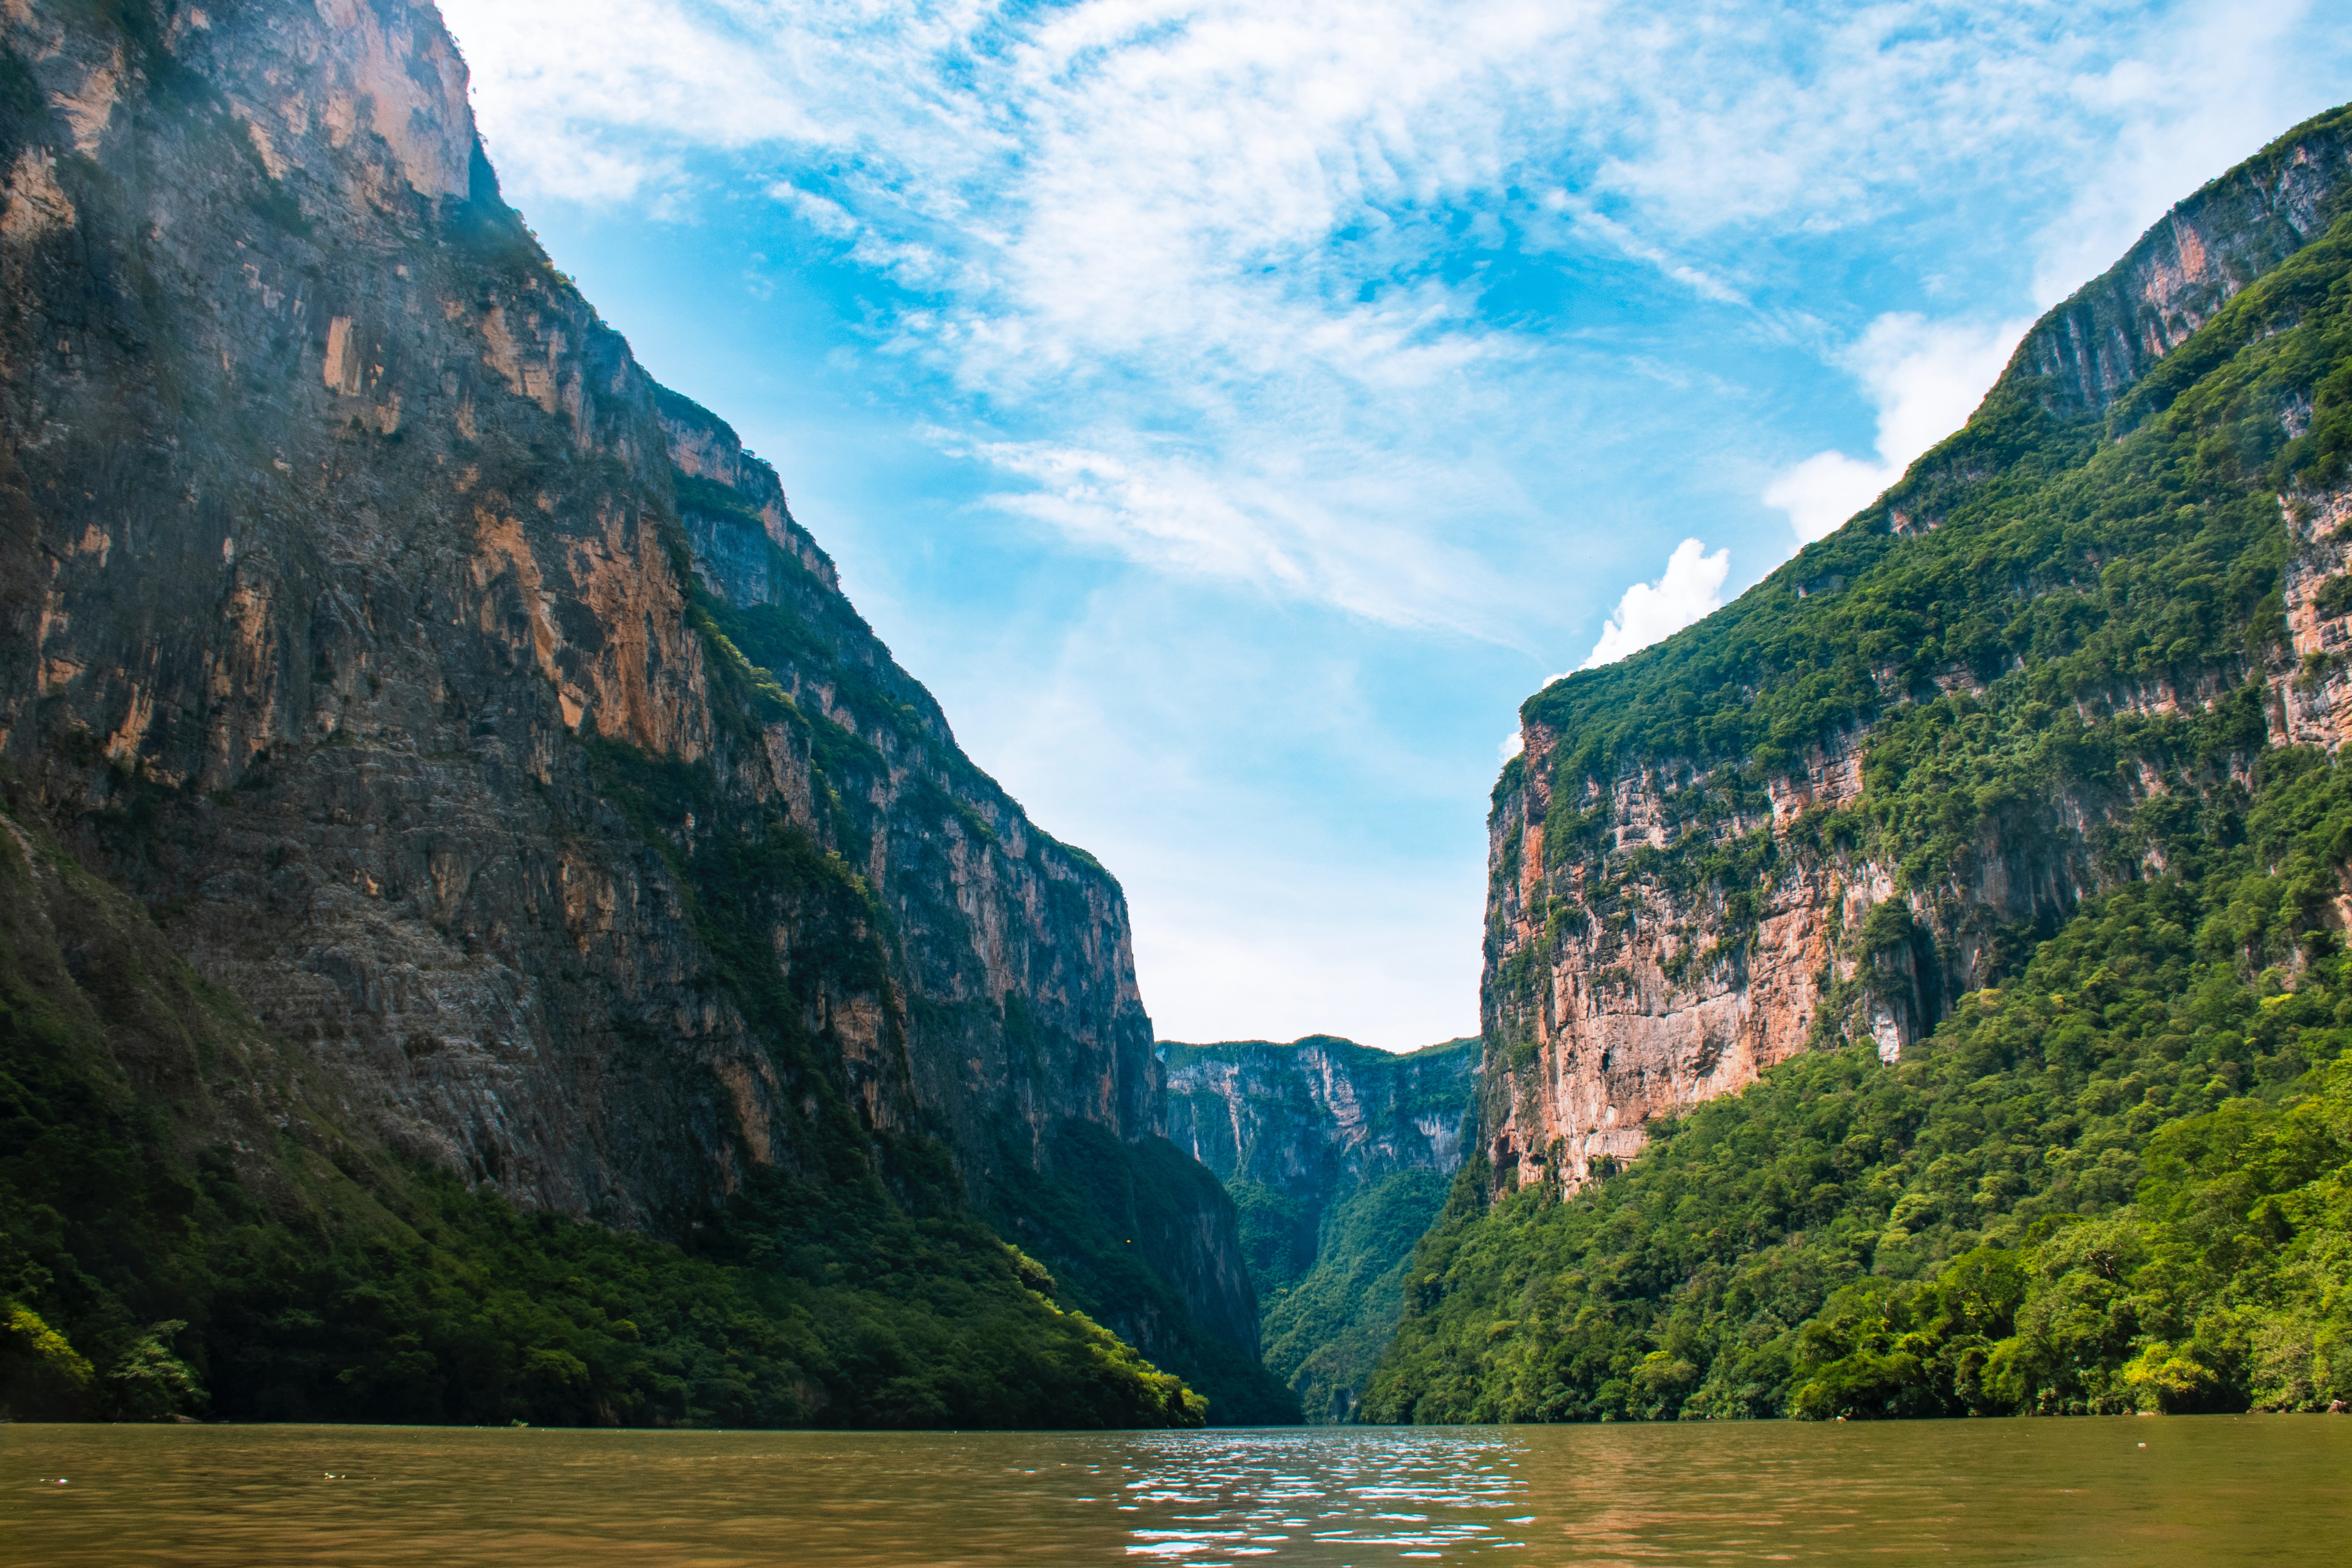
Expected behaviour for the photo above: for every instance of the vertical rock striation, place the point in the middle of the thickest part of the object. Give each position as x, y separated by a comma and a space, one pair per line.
2088, 350
1321, 1116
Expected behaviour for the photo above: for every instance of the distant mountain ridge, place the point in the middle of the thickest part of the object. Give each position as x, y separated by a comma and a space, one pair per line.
1339, 1156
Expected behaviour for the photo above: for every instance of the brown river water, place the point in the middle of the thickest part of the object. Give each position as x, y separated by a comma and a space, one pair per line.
2209, 1490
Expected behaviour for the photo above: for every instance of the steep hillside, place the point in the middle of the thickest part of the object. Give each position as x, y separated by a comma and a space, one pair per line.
1339, 1157
188, 1230
1874, 782
474, 713
2017, 800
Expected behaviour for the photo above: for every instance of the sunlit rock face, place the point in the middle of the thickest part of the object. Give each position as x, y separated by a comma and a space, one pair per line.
1321, 1116
1618, 985
361, 601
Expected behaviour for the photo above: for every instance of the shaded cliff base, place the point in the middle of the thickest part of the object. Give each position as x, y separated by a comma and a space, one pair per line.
1124, 1226
185, 1229
2120, 1181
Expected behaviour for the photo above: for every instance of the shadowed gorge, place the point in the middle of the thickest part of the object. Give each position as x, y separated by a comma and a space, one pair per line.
532, 855
1339, 1157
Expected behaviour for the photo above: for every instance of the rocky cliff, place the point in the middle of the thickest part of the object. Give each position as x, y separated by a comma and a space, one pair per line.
1339, 1157
475, 710
1814, 816
2083, 354
1319, 1115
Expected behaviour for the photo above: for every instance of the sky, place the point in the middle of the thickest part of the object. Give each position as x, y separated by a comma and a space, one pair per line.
1232, 412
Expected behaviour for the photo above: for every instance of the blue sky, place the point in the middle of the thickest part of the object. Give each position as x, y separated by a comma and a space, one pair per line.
1233, 411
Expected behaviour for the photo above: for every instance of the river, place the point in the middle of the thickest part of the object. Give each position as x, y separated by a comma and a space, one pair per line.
2262, 1489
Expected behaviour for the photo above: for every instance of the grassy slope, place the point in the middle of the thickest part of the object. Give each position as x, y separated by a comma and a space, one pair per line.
2117, 1179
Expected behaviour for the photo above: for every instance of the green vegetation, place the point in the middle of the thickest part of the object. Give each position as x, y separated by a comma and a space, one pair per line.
1120, 1224
1326, 1228
2115, 1177
1323, 1334
183, 1231
2098, 563
2122, 1181
2067, 575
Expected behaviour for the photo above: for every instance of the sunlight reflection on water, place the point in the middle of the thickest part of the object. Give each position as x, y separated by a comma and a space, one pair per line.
2241, 1490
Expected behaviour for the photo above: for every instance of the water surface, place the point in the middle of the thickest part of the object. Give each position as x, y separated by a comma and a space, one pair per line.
2269, 1488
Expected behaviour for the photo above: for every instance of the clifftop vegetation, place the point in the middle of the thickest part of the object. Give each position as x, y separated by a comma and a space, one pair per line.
2090, 558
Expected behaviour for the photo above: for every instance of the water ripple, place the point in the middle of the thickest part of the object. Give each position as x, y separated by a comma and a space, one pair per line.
2180, 1491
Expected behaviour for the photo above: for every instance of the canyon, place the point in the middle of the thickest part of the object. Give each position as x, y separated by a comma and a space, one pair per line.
1339, 1156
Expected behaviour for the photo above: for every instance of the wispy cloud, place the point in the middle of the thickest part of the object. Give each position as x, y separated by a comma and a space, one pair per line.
1204, 214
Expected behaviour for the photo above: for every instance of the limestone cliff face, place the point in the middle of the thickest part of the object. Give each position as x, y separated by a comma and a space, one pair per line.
2314, 702
1015, 948
1618, 985
1652, 998
1321, 1116
362, 605
1341, 1157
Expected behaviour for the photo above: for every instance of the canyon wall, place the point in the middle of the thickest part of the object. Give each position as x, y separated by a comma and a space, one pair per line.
473, 709
1320, 1116
1670, 914
2104, 337
1339, 1157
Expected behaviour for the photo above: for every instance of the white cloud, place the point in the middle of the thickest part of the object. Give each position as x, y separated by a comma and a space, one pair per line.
1691, 586
1245, 519
1926, 377
1512, 744
1205, 216
822, 213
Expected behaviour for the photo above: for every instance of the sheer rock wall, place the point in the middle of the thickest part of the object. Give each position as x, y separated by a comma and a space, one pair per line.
346, 549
